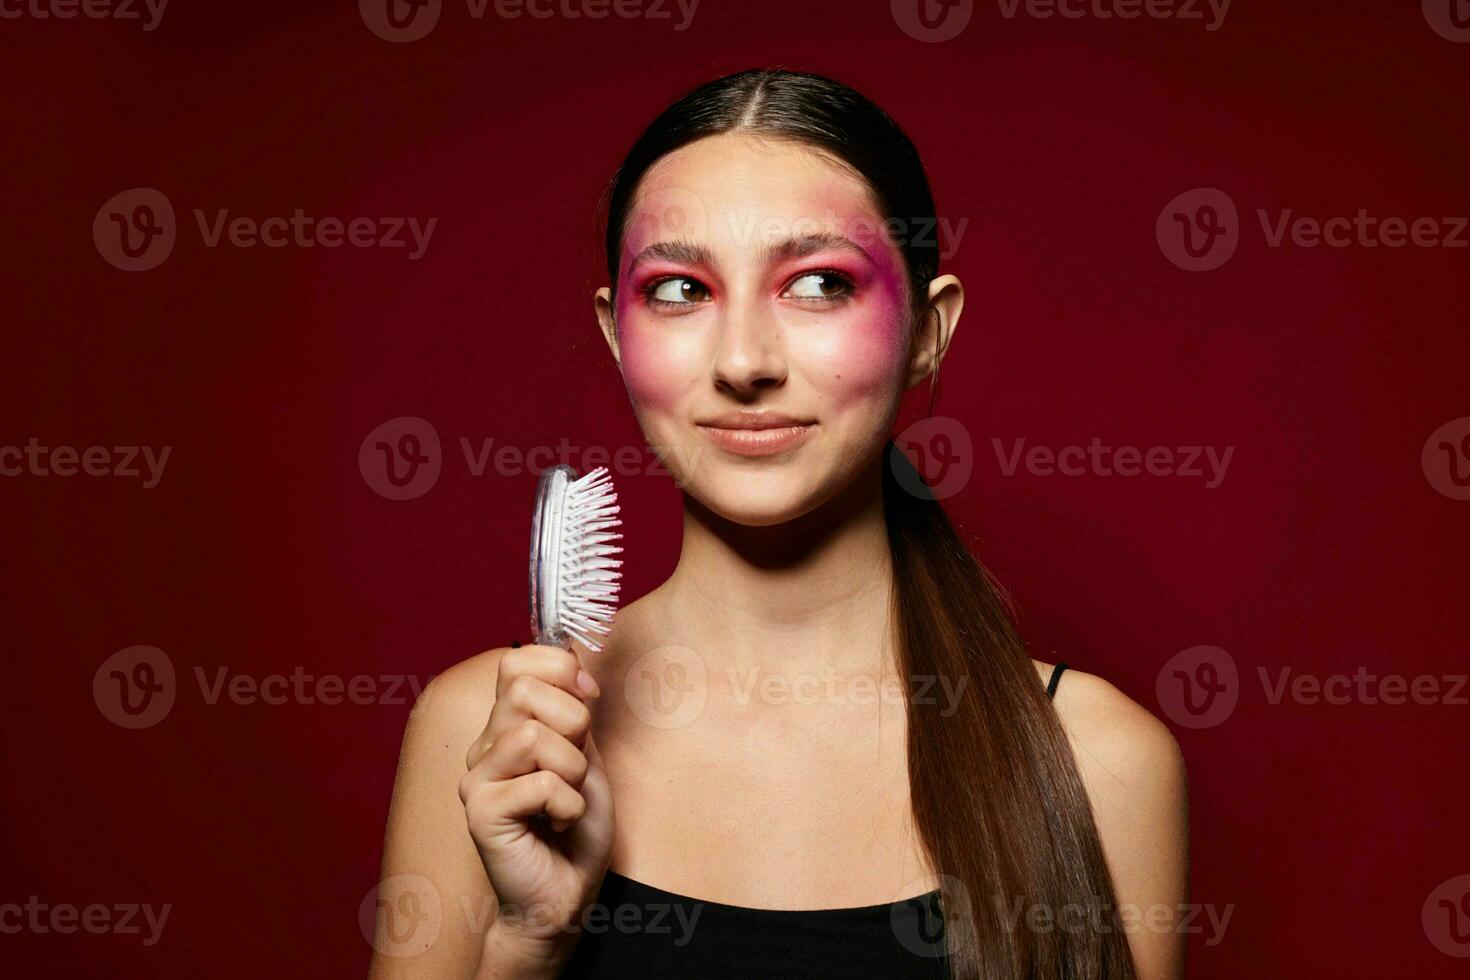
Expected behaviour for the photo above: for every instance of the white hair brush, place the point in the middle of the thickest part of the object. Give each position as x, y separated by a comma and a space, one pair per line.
574, 578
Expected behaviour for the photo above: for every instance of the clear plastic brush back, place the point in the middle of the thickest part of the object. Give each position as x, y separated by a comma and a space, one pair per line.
573, 576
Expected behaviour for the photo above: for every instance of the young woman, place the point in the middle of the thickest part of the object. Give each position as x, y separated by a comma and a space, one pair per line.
823, 726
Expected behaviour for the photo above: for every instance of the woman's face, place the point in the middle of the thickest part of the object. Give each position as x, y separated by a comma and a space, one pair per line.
762, 324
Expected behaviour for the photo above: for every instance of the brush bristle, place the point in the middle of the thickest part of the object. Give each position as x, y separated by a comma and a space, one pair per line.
589, 574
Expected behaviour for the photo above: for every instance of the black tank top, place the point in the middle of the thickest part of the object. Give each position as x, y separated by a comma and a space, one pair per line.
638, 931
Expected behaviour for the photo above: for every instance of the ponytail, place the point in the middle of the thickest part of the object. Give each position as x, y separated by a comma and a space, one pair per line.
998, 803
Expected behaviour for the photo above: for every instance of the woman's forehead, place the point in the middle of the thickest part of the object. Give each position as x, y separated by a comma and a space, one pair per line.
736, 190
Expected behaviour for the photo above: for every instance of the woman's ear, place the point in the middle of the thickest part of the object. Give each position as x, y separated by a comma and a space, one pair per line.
602, 302
935, 328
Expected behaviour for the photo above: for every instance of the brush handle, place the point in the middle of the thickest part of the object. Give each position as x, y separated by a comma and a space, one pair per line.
546, 527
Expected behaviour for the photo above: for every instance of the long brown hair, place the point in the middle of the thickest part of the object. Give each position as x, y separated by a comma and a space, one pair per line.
998, 803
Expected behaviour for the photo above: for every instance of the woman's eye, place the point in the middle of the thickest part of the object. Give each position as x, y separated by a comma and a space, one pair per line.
678, 290
820, 285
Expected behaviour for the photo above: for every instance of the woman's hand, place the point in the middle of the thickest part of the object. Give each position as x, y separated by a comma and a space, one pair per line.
537, 800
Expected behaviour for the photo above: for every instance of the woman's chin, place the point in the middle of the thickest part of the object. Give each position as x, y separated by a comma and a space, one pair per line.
756, 499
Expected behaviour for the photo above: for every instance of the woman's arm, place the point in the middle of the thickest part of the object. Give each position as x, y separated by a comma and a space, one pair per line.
492, 745
428, 837
1135, 778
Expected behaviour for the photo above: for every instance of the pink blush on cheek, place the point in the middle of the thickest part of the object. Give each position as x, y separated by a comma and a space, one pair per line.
658, 364
858, 363
643, 374
863, 351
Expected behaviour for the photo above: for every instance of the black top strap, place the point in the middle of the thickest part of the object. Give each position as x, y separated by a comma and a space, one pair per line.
1056, 676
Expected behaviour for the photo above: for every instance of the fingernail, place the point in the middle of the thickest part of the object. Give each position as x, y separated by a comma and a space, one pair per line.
587, 684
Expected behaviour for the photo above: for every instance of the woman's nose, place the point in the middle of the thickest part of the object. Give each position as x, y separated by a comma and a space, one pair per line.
750, 350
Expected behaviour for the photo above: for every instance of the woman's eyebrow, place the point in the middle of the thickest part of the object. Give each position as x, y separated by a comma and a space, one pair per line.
804, 245
688, 253
683, 252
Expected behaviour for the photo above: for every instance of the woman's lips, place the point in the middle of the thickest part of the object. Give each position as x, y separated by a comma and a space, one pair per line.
758, 442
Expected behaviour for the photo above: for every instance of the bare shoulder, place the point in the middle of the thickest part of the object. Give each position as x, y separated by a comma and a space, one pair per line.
1135, 779
457, 702
1112, 735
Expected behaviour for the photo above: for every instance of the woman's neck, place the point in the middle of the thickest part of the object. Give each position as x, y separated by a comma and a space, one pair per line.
806, 595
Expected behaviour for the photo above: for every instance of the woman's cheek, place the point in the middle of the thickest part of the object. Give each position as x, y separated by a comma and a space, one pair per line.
658, 365
858, 361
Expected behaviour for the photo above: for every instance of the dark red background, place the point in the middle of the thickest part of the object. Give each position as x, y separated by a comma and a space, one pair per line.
264, 550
